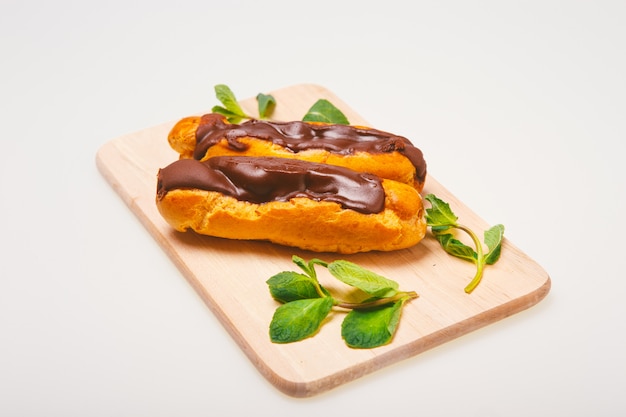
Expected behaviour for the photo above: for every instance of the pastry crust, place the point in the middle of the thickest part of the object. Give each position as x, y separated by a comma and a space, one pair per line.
392, 165
319, 226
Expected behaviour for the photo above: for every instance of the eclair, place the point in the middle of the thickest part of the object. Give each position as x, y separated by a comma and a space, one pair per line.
308, 205
362, 149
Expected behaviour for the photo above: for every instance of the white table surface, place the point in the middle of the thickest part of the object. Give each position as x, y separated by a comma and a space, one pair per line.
519, 107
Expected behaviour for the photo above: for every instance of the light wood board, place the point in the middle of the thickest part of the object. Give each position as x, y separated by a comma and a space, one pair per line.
230, 275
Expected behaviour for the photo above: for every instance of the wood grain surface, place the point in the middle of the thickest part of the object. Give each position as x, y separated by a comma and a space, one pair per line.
230, 275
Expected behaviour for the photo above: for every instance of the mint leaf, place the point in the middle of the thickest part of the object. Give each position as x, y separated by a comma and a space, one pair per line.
230, 116
456, 248
493, 240
308, 267
365, 329
324, 111
289, 286
228, 99
267, 103
367, 281
439, 216
299, 319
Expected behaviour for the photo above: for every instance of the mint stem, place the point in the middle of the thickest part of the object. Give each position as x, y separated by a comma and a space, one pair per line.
318, 288
378, 302
480, 259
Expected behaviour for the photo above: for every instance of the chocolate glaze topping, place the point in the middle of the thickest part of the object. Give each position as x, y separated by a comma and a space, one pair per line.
261, 180
298, 136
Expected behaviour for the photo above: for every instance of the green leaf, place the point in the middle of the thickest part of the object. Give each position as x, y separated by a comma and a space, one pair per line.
324, 111
267, 103
230, 116
289, 286
227, 98
299, 319
363, 279
493, 240
439, 216
310, 271
308, 267
455, 247
365, 329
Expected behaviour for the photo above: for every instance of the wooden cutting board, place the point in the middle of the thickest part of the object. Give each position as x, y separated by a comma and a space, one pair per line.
230, 275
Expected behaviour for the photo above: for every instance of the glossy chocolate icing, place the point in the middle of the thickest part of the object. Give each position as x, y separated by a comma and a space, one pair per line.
265, 179
298, 136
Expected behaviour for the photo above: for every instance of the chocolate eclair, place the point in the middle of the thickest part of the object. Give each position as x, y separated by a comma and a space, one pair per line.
309, 205
361, 149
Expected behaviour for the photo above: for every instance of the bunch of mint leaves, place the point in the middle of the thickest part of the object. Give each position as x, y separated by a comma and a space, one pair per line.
321, 111
306, 304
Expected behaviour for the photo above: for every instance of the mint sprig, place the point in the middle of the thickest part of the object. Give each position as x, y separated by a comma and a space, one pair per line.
306, 304
321, 111
232, 110
442, 221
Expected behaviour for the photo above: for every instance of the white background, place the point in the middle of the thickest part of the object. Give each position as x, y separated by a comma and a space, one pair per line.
519, 107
